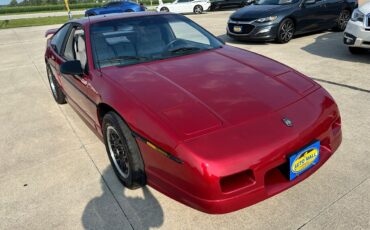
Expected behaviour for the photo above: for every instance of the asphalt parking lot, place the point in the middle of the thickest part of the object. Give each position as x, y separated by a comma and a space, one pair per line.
54, 172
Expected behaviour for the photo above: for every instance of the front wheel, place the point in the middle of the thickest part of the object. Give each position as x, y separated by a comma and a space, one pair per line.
198, 9
342, 20
286, 31
123, 152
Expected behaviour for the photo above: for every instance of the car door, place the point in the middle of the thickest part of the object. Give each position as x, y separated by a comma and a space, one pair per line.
112, 7
78, 88
182, 6
311, 16
234, 2
57, 43
333, 9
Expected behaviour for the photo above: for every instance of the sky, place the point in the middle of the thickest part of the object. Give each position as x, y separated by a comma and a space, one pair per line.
6, 2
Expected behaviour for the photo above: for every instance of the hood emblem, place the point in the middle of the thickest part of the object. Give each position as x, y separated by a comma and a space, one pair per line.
287, 122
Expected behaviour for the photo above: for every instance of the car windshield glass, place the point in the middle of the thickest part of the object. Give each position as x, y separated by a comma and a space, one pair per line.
134, 40
274, 2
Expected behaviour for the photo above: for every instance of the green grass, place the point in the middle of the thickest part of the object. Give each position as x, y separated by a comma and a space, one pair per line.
14, 23
43, 11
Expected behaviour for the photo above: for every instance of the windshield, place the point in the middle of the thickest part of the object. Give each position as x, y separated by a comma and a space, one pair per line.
134, 40
274, 2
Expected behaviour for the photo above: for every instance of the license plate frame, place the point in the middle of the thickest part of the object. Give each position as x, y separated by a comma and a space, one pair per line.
237, 29
304, 159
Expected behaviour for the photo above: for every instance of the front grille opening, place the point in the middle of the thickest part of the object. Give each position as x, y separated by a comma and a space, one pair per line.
245, 28
237, 181
276, 177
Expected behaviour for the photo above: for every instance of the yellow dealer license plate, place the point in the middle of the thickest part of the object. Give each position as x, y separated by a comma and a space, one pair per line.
304, 159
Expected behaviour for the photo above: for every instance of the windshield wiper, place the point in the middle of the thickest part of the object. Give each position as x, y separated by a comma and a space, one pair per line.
184, 49
125, 58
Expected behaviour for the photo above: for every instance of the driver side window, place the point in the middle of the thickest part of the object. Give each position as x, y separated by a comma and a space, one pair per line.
76, 47
57, 40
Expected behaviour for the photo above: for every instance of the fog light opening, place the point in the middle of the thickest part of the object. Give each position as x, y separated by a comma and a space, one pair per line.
237, 181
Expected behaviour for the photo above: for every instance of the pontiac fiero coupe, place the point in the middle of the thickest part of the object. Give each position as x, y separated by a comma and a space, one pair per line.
212, 126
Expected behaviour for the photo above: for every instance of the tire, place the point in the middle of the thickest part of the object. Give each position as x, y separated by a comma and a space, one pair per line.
198, 9
164, 9
55, 88
285, 31
128, 164
356, 50
342, 20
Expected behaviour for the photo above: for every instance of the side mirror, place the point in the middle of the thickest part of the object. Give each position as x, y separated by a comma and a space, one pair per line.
71, 67
309, 2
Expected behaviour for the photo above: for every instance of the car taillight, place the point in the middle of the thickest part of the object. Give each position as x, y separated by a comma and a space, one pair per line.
237, 181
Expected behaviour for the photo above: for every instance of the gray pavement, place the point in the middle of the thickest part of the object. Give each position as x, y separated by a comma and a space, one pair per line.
54, 173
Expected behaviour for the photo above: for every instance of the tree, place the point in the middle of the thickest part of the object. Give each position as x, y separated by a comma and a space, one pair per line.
13, 3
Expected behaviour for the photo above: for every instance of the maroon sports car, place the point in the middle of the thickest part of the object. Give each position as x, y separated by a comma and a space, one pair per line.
212, 126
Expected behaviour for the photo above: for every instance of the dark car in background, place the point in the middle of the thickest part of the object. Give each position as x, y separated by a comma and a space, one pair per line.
115, 7
220, 4
280, 20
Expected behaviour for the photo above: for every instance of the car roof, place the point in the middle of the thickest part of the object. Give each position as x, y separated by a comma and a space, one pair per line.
109, 17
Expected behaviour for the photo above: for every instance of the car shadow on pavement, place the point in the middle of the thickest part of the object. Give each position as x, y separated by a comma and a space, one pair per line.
330, 45
103, 212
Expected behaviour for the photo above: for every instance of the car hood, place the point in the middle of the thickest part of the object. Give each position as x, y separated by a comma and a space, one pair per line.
201, 92
253, 12
365, 8
92, 9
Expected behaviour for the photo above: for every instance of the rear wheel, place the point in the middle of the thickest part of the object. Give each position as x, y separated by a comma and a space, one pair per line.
198, 9
342, 20
357, 50
164, 9
123, 152
286, 31
56, 90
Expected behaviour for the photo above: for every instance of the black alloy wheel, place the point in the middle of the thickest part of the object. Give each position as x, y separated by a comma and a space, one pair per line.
342, 21
123, 151
285, 31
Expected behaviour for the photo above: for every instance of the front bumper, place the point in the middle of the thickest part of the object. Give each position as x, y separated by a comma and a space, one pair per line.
197, 182
252, 31
357, 34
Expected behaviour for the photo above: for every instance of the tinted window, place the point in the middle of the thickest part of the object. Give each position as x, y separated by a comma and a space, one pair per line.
141, 39
58, 38
113, 4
